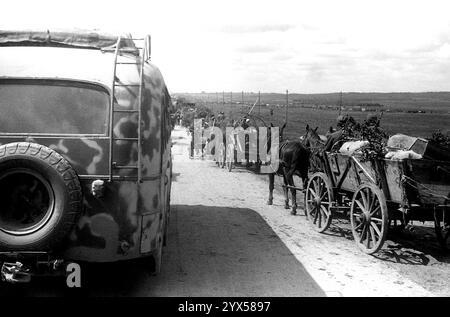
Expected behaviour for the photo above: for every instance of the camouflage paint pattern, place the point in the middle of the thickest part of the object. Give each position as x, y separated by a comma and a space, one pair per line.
128, 221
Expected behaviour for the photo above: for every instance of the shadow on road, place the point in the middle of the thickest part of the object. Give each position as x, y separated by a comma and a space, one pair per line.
211, 251
416, 247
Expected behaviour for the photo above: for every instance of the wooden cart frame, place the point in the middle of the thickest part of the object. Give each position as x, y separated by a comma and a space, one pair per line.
375, 192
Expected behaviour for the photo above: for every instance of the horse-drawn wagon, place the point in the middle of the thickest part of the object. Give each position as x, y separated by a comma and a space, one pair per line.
376, 191
238, 142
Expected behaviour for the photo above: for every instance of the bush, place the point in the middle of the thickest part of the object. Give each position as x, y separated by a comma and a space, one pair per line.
440, 139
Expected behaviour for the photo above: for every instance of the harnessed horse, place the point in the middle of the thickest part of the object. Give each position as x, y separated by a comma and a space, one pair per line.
294, 160
316, 143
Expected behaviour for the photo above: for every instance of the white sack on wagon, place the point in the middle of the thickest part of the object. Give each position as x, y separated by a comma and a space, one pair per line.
403, 155
406, 143
351, 147
424, 148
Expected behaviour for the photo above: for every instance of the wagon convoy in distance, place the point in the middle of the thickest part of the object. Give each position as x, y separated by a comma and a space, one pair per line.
85, 155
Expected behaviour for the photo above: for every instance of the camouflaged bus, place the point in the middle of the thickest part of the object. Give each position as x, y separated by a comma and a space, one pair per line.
85, 155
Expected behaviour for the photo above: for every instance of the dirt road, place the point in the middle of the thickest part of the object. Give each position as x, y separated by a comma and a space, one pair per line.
408, 265
225, 241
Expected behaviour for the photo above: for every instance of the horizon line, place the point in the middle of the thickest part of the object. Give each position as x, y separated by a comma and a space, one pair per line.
315, 93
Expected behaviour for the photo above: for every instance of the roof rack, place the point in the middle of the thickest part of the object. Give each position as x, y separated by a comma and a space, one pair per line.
73, 39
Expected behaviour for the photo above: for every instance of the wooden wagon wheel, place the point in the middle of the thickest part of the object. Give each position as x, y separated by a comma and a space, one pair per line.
442, 227
318, 201
369, 218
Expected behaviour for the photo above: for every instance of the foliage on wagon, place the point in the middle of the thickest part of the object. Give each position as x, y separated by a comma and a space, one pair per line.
189, 114
369, 130
440, 139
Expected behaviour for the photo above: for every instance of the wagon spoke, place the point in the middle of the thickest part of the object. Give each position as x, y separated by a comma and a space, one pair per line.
373, 212
318, 218
363, 233
376, 219
323, 189
363, 196
316, 187
325, 210
313, 193
357, 216
359, 225
360, 205
375, 227
368, 238
373, 235
315, 215
373, 200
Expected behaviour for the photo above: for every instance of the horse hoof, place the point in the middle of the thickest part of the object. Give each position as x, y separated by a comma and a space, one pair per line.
269, 202
286, 207
293, 212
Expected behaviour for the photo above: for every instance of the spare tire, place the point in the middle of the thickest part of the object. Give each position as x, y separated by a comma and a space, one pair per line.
40, 197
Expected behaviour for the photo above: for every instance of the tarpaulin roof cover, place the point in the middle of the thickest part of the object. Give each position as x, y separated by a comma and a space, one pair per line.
72, 38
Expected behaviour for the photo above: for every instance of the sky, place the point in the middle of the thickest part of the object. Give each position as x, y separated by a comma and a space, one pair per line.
315, 46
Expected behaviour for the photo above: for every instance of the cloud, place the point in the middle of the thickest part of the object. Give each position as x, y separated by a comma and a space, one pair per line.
309, 27
429, 47
257, 28
282, 57
256, 48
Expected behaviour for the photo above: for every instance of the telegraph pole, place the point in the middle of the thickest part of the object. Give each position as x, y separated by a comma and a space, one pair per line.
217, 98
287, 105
259, 102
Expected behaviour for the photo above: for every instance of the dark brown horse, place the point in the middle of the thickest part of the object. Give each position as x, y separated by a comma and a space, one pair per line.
294, 160
317, 144
313, 140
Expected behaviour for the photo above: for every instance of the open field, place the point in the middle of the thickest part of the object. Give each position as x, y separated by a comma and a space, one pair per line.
435, 105
396, 101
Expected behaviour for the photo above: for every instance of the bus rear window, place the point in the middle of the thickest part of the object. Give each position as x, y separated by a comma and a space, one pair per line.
52, 108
